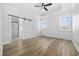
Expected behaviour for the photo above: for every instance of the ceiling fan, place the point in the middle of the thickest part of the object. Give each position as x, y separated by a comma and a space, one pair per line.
43, 5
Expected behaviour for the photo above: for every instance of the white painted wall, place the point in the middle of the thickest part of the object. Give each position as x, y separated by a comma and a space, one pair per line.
76, 31
0, 32
27, 29
36, 26
75, 26
30, 28
53, 26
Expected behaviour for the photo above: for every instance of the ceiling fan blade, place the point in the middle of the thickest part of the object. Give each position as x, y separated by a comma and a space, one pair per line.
48, 4
38, 6
45, 8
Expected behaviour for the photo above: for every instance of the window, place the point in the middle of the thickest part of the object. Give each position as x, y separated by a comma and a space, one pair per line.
65, 23
43, 24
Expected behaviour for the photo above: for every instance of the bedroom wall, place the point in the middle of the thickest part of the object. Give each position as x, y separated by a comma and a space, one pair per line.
75, 26
76, 31
53, 26
31, 29
0, 31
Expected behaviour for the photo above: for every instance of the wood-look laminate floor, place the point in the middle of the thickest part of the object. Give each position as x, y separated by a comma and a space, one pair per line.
40, 46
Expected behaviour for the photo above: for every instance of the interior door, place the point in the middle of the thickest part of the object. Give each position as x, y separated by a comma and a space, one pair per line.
14, 29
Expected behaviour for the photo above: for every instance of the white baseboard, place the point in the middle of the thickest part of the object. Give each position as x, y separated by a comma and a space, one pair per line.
76, 46
55, 37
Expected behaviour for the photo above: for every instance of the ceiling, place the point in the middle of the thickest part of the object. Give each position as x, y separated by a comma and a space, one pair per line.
29, 8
